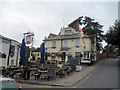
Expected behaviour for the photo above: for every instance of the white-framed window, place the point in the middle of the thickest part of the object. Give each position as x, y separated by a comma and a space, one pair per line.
77, 42
54, 43
86, 54
12, 50
77, 53
65, 43
53, 55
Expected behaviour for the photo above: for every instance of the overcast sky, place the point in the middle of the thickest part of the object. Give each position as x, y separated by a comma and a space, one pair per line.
43, 17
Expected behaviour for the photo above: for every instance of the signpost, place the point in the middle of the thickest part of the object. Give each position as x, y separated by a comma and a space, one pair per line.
29, 43
29, 38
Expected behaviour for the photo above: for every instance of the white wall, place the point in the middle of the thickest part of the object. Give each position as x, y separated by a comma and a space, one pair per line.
5, 49
5, 45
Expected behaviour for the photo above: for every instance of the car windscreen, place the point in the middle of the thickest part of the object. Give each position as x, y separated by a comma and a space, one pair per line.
9, 84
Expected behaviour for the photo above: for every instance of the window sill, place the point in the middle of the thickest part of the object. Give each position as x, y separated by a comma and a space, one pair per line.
53, 47
77, 46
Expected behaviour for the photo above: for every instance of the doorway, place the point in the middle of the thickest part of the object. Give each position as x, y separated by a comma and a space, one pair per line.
63, 56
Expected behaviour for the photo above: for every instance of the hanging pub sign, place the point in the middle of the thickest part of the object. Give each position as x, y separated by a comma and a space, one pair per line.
28, 39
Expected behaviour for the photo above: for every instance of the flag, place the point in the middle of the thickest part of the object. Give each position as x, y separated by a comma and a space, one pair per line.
81, 35
81, 32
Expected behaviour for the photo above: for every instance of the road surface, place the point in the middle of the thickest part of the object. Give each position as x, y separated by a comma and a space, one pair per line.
106, 76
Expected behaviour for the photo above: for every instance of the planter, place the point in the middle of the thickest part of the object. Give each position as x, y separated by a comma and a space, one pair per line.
78, 68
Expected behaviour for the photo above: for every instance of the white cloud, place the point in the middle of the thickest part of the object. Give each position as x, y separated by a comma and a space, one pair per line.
42, 18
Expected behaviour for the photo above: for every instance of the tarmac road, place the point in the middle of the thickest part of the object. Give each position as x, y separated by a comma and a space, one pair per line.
105, 76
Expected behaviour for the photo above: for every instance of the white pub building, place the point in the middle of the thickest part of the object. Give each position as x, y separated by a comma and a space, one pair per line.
9, 52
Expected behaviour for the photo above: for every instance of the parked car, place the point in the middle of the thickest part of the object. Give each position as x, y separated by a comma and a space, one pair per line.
9, 83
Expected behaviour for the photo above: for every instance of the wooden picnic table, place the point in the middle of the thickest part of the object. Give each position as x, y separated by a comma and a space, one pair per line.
43, 74
33, 70
18, 71
13, 68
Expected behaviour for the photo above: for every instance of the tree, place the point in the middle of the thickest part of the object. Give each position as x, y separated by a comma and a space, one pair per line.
111, 49
113, 35
91, 28
75, 24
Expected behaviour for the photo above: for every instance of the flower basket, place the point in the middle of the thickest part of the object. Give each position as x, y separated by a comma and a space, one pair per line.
69, 55
58, 54
48, 54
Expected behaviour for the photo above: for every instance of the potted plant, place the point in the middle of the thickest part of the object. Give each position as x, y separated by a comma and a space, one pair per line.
69, 55
59, 54
48, 54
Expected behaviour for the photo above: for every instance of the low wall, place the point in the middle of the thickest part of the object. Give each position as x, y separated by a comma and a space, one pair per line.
104, 55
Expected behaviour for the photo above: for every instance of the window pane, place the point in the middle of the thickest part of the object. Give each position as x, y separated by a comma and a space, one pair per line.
86, 54
12, 50
78, 42
77, 53
65, 43
53, 55
53, 43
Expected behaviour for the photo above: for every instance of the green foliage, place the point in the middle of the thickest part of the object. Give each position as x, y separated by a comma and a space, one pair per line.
69, 55
111, 49
113, 35
91, 28
48, 54
59, 54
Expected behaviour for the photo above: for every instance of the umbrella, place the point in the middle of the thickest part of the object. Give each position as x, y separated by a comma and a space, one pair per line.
23, 53
42, 53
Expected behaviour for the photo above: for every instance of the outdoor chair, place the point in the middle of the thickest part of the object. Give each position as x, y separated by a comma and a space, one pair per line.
37, 75
61, 73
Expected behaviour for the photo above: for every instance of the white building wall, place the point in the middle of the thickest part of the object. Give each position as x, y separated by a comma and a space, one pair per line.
4, 48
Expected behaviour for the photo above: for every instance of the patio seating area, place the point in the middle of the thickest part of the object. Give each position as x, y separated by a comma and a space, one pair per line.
38, 71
